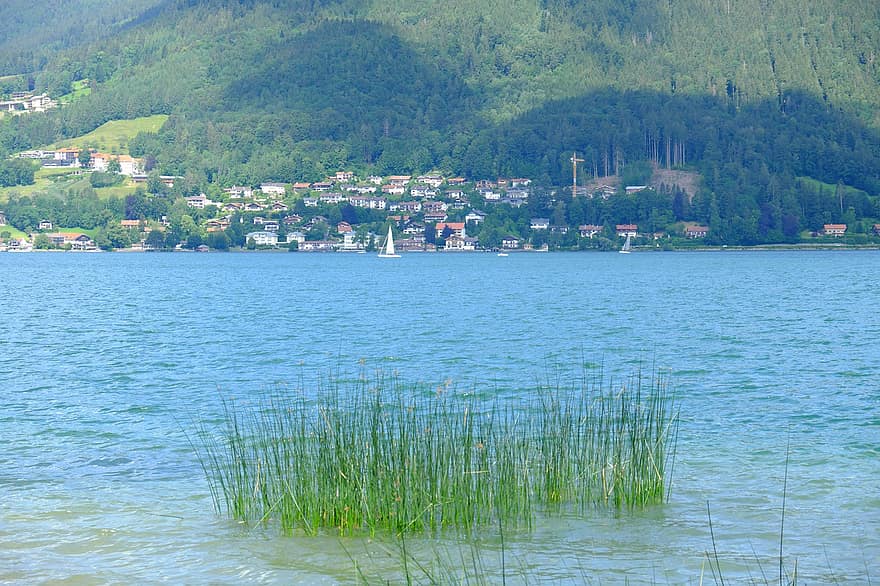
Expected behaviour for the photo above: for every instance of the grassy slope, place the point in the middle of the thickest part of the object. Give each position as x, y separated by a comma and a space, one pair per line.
81, 89
113, 136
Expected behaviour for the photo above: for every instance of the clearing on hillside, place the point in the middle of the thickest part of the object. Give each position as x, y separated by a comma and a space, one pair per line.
112, 137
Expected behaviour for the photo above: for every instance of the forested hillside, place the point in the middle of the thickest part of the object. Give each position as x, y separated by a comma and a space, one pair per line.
752, 94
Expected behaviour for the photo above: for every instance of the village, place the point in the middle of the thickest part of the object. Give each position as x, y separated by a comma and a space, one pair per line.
428, 213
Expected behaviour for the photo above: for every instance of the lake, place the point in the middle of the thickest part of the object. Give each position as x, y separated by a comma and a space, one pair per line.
109, 361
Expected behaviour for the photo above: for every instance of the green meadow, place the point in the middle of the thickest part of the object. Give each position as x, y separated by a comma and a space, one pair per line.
112, 137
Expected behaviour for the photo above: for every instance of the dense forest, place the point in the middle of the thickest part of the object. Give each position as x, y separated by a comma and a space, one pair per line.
770, 102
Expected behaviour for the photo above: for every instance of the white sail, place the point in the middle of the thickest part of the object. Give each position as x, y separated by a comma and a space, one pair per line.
387, 251
626, 245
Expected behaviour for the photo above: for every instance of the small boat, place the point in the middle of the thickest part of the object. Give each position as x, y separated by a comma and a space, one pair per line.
627, 246
387, 250
502, 254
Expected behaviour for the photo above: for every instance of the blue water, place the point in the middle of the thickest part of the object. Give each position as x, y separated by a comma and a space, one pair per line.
107, 361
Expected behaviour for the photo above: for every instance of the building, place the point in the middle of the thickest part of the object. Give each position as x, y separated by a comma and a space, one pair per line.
272, 188
836, 230
696, 231
540, 224
457, 229
631, 230
589, 230
263, 238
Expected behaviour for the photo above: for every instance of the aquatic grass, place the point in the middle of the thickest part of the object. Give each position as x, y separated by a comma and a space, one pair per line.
375, 454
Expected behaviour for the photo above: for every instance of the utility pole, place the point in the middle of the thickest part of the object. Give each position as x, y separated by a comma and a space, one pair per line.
574, 173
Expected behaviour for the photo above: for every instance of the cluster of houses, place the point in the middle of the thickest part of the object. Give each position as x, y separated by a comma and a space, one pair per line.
27, 102
419, 206
412, 203
70, 157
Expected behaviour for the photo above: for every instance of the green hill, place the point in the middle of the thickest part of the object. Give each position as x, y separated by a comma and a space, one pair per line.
749, 93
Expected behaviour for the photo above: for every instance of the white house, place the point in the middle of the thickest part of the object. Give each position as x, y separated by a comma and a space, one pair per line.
263, 238
540, 224
272, 188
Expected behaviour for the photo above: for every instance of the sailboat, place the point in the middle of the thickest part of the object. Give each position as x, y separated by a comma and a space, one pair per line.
627, 246
387, 250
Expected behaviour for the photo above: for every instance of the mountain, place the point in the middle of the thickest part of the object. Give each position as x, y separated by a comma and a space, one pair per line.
753, 94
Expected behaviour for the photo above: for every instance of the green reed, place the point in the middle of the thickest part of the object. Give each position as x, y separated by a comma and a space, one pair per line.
381, 456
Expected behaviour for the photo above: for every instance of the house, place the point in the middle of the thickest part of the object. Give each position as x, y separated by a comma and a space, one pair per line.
631, 189
317, 246
302, 186
432, 180
263, 238
213, 226
238, 192
350, 242
540, 224
518, 194
455, 193
422, 191
520, 182
433, 217
589, 230
414, 229
253, 207
875, 229
130, 224
232, 207
835, 230
297, 236
273, 188
270, 226
322, 186
475, 216
343, 227
375, 180
489, 194
279, 206
45, 225
310, 202
344, 176
457, 228
412, 207
434, 207
510, 242
696, 231
292, 219
456, 181
67, 155
76, 240
332, 198
461, 243
392, 189
366, 201
399, 179
631, 230
416, 244
127, 165
198, 202
604, 191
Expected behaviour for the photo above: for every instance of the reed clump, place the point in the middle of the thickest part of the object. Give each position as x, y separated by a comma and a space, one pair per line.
383, 456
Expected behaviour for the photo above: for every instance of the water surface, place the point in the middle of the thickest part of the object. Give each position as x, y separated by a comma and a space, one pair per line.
107, 359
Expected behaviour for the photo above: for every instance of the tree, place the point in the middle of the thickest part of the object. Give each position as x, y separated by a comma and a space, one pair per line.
155, 239
84, 157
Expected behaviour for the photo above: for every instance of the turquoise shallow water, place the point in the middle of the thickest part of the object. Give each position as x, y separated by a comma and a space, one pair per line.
105, 360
